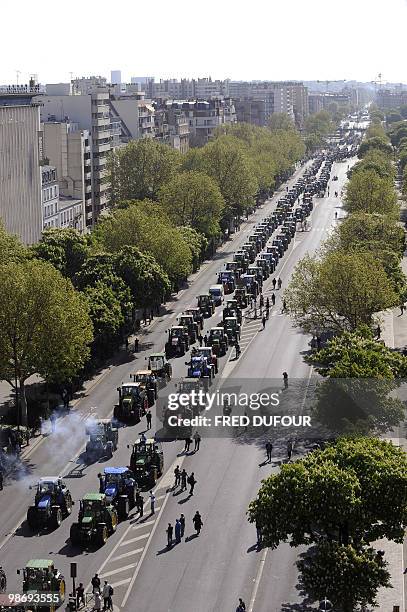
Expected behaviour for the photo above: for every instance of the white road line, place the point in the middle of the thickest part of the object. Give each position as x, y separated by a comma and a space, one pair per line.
120, 583
117, 571
258, 579
140, 525
142, 537
136, 551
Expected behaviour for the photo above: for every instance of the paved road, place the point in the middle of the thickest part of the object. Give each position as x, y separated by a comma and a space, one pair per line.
206, 573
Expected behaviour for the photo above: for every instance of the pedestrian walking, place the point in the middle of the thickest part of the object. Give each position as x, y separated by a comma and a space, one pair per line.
197, 440
53, 420
140, 504
152, 502
169, 532
136, 344
184, 477
188, 443
268, 303
106, 595
263, 320
402, 308
269, 448
65, 398
177, 474
192, 482
1, 479
267, 312
378, 332
200, 339
143, 438
285, 379
197, 521
261, 300
274, 284
95, 582
80, 595
151, 314
101, 483
157, 310
336, 215
182, 523
273, 299
289, 450
284, 307
149, 419
242, 606
177, 530
98, 602
279, 283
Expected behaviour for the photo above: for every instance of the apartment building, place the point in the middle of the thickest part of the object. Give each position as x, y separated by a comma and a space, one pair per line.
171, 126
204, 116
251, 111
20, 171
389, 98
90, 111
68, 149
59, 211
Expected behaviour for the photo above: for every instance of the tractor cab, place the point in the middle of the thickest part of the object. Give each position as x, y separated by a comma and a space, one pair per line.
197, 316
242, 259
199, 367
218, 341
227, 279
192, 328
241, 296
257, 271
133, 402
148, 384
250, 283
232, 310
209, 355
233, 266
232, 329
178, 341
146, 461
160, 367
206, 305
39, 576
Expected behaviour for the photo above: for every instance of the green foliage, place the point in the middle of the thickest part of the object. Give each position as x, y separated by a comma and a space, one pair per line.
367, 192
340, 291
378, 162
346, 576
65, 249
393, 116
376, 142
351, 492
197, 243
280, 121
143, 225
319, 124
397, 133
140, 169
194, 199
11, 249
106, 313
362, 227
44, 323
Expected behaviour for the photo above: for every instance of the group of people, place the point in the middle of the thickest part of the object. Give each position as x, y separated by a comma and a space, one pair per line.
196, 438
99, 593
178, 529
182, 480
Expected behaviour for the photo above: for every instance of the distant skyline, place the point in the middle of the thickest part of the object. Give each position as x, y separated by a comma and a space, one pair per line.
262, 40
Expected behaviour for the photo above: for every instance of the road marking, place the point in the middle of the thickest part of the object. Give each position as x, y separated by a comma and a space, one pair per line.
127, 554
142, 537
258, 579
117, 571
140, 525
120, 583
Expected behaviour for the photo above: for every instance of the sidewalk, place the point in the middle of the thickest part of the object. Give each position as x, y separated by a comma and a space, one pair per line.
394, 334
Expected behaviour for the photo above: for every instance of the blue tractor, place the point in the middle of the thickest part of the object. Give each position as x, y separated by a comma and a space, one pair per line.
52, 503
199, 367
119, 486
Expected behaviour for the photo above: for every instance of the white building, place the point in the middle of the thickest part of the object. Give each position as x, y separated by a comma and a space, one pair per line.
116, 77
20, 173
49, 197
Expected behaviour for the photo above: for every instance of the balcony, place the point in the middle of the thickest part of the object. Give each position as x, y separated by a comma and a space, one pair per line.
101, 122
100, 172
102, 148
101, 134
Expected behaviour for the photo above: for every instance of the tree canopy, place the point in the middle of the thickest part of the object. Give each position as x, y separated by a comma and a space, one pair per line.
368, 192
66, 249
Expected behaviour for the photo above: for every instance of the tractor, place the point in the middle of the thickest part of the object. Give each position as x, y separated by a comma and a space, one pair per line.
206, 305
103, 439
207, 352
232, 310
192, 328
97, 520
133, 402
148, 384
233, 266
52, 503
242, 260
218, 341
232, 329
199, 367
227, 279
178, 341
197, 316
119, 486
146, 461
241, 296
160, 367
40, 577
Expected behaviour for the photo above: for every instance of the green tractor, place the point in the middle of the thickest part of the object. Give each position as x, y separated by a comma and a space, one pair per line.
206, 304
43, 581
232, 329
146, 461
218, 340
52, 503
178, 341
189, 323
133, 402
103, 439
97, 520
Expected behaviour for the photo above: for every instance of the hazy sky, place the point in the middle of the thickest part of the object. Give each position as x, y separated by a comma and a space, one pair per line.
256, 39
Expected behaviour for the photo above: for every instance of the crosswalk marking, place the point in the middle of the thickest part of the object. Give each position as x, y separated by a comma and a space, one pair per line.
140, 525
117, 571
127, 554
120, 583
142, 537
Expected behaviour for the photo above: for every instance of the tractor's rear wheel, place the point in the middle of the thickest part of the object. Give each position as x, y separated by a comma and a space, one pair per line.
32, 518
123, 507
56, 517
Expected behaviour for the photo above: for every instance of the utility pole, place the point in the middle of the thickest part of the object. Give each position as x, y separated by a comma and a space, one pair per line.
18, 72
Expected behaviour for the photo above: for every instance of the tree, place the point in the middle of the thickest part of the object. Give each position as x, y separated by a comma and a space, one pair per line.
393, 116
367, 192
340, 291
377, 161
147, 228
280, 121
381, 144
148, 282
319, 124
197, 243
346, 576
361, 227
396, 135
65, 249
193, 198
141, 168
352, 492
44, 325
106, 313
313, 142
11, 249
